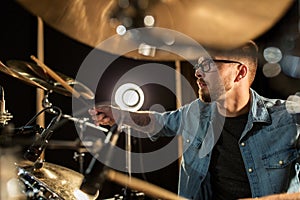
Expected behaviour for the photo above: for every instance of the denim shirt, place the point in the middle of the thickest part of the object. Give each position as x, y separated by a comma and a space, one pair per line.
268, 145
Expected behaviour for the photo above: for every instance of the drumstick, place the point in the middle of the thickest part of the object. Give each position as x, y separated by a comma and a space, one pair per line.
56, 77
139, 185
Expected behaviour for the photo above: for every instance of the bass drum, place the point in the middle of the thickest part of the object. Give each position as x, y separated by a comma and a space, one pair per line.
50, 181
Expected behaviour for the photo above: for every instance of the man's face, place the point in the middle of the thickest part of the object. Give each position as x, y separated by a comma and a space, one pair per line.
215, 77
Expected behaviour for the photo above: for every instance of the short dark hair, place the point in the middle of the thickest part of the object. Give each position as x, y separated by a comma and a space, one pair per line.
246, 54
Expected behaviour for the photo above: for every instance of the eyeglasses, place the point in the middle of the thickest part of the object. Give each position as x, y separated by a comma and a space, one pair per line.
209, 65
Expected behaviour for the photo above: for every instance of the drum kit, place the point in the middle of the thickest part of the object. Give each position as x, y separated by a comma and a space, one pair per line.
42, 180
37, 179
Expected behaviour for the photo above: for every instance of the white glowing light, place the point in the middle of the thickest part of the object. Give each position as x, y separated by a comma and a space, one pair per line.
272, 54
149, 20
271, 69
129, 97
147, 50
121, 30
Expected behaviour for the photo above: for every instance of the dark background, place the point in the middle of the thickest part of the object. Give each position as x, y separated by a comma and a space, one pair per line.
63, 54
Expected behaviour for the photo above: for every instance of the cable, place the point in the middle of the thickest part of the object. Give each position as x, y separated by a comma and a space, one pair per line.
40, 112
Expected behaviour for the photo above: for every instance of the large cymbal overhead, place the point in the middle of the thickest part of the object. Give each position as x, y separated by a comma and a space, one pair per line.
34, 75
213, 23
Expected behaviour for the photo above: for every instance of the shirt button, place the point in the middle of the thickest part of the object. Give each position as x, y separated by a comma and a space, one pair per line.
280, 162
188, 141
243, 144
250, 170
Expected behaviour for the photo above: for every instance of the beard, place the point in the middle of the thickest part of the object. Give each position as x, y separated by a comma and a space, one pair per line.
214, 92
204, 95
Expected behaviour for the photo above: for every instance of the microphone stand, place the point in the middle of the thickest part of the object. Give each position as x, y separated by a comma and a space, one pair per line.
35, 150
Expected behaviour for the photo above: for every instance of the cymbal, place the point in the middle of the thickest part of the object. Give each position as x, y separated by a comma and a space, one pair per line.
34, 81
34, 75
214, 23
59, 180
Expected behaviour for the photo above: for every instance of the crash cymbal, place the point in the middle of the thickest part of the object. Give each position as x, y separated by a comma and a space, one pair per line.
25, 77
36, 76
214, 23
51, 181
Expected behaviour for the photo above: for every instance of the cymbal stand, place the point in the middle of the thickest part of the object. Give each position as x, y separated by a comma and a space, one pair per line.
83, 123
128, 148
46, 103
128, 193
79, 154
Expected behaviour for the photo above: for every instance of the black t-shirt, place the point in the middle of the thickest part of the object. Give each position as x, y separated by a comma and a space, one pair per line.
228, 175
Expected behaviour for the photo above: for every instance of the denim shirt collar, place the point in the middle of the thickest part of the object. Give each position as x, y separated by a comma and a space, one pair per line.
258, 112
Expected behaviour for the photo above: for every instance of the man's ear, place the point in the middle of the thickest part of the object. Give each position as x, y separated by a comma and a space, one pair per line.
243, 70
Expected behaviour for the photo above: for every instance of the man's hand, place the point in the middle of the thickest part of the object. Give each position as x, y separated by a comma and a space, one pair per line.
142, 121
105, 115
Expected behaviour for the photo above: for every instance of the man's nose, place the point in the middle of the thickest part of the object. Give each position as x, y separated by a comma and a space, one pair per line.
199, 73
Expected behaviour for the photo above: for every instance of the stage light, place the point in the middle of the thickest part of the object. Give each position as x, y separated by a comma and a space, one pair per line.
147, 50
149, 21
272, 54
121, 30
129, 96
271, 70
